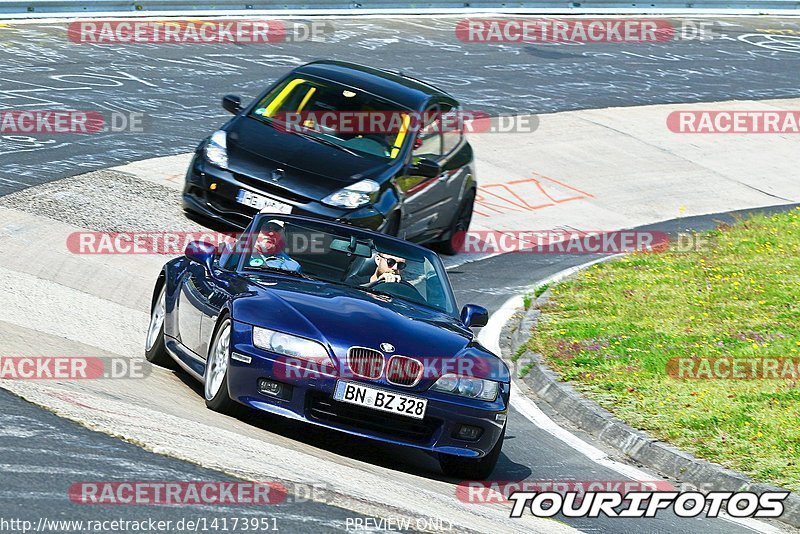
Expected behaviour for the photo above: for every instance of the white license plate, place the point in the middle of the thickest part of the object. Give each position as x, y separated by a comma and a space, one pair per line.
380, 399
262, 203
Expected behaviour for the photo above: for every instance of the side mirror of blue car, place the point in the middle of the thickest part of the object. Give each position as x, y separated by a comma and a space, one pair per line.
201, 252
473, 315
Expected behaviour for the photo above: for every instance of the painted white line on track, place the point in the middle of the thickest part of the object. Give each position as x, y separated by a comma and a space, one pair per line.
489, 337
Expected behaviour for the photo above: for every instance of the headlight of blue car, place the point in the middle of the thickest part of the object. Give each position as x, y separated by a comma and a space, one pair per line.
289, 345
466, 386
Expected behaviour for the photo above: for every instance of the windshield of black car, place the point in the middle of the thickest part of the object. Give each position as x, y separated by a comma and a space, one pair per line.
276, 244
356, 120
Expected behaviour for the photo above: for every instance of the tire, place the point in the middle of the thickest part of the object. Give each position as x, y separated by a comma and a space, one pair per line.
472, 468
154, 349
458, 227
215, 378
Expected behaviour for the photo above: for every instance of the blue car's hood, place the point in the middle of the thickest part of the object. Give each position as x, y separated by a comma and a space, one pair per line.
342, 317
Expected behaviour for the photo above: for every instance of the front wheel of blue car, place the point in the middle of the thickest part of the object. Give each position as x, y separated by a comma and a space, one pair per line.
155, 350
215, 381
472, 468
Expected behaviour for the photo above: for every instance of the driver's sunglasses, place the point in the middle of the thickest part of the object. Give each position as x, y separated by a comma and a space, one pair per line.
391, 262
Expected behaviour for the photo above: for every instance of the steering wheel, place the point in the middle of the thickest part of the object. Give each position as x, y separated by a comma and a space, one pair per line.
367, 144
378, 138
400, 293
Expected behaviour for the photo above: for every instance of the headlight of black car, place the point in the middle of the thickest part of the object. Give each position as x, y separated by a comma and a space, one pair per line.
217, 149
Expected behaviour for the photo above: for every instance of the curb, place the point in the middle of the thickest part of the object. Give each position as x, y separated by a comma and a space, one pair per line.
542, 384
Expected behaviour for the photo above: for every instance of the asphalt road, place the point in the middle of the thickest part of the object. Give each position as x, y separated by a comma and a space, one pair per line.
177, 87
43, 455
41, 450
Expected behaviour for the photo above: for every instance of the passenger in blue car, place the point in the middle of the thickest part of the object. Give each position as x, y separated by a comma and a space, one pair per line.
269, 248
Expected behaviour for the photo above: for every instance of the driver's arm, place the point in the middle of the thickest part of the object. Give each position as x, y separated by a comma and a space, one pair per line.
386, 277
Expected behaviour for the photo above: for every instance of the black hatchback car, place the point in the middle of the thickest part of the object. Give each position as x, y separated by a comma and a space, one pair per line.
344, 142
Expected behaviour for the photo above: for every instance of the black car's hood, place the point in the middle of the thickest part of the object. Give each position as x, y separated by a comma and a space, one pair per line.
310, 169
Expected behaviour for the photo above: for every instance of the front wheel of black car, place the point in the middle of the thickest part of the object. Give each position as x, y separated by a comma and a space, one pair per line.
458, 228
472, 468
215, 379
154, 349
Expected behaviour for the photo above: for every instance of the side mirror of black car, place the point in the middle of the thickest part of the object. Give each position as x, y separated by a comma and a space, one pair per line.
427, 168
232, 103
201, 252
473, 315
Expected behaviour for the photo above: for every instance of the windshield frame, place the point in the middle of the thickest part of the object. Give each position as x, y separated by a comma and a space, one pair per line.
402, 150
396, 246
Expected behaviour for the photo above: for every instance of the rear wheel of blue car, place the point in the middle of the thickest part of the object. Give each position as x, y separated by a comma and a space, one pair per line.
472, 468
215, 381
154, 349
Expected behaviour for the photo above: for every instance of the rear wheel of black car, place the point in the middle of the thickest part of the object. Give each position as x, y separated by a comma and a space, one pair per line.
458, 228
472, 468
154, 349
215, 379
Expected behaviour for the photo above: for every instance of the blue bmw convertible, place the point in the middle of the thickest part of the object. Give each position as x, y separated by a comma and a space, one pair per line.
335, 326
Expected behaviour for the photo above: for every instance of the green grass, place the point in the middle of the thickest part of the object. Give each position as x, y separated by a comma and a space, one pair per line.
612, 329
527, 298
539, 291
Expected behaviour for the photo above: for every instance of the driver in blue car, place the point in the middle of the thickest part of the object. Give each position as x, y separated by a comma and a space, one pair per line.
269, 248
387, 269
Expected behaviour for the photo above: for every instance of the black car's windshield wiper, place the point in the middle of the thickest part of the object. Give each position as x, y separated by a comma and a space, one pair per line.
326, 142
322, 140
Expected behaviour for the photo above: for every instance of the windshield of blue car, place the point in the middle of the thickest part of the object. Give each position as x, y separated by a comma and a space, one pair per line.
356, 121
318, 251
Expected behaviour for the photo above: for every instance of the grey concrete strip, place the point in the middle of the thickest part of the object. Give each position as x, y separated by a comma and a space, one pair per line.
256, 460
43, 455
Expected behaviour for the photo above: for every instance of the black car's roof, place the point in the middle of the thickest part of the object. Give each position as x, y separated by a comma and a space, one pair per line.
401, 89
